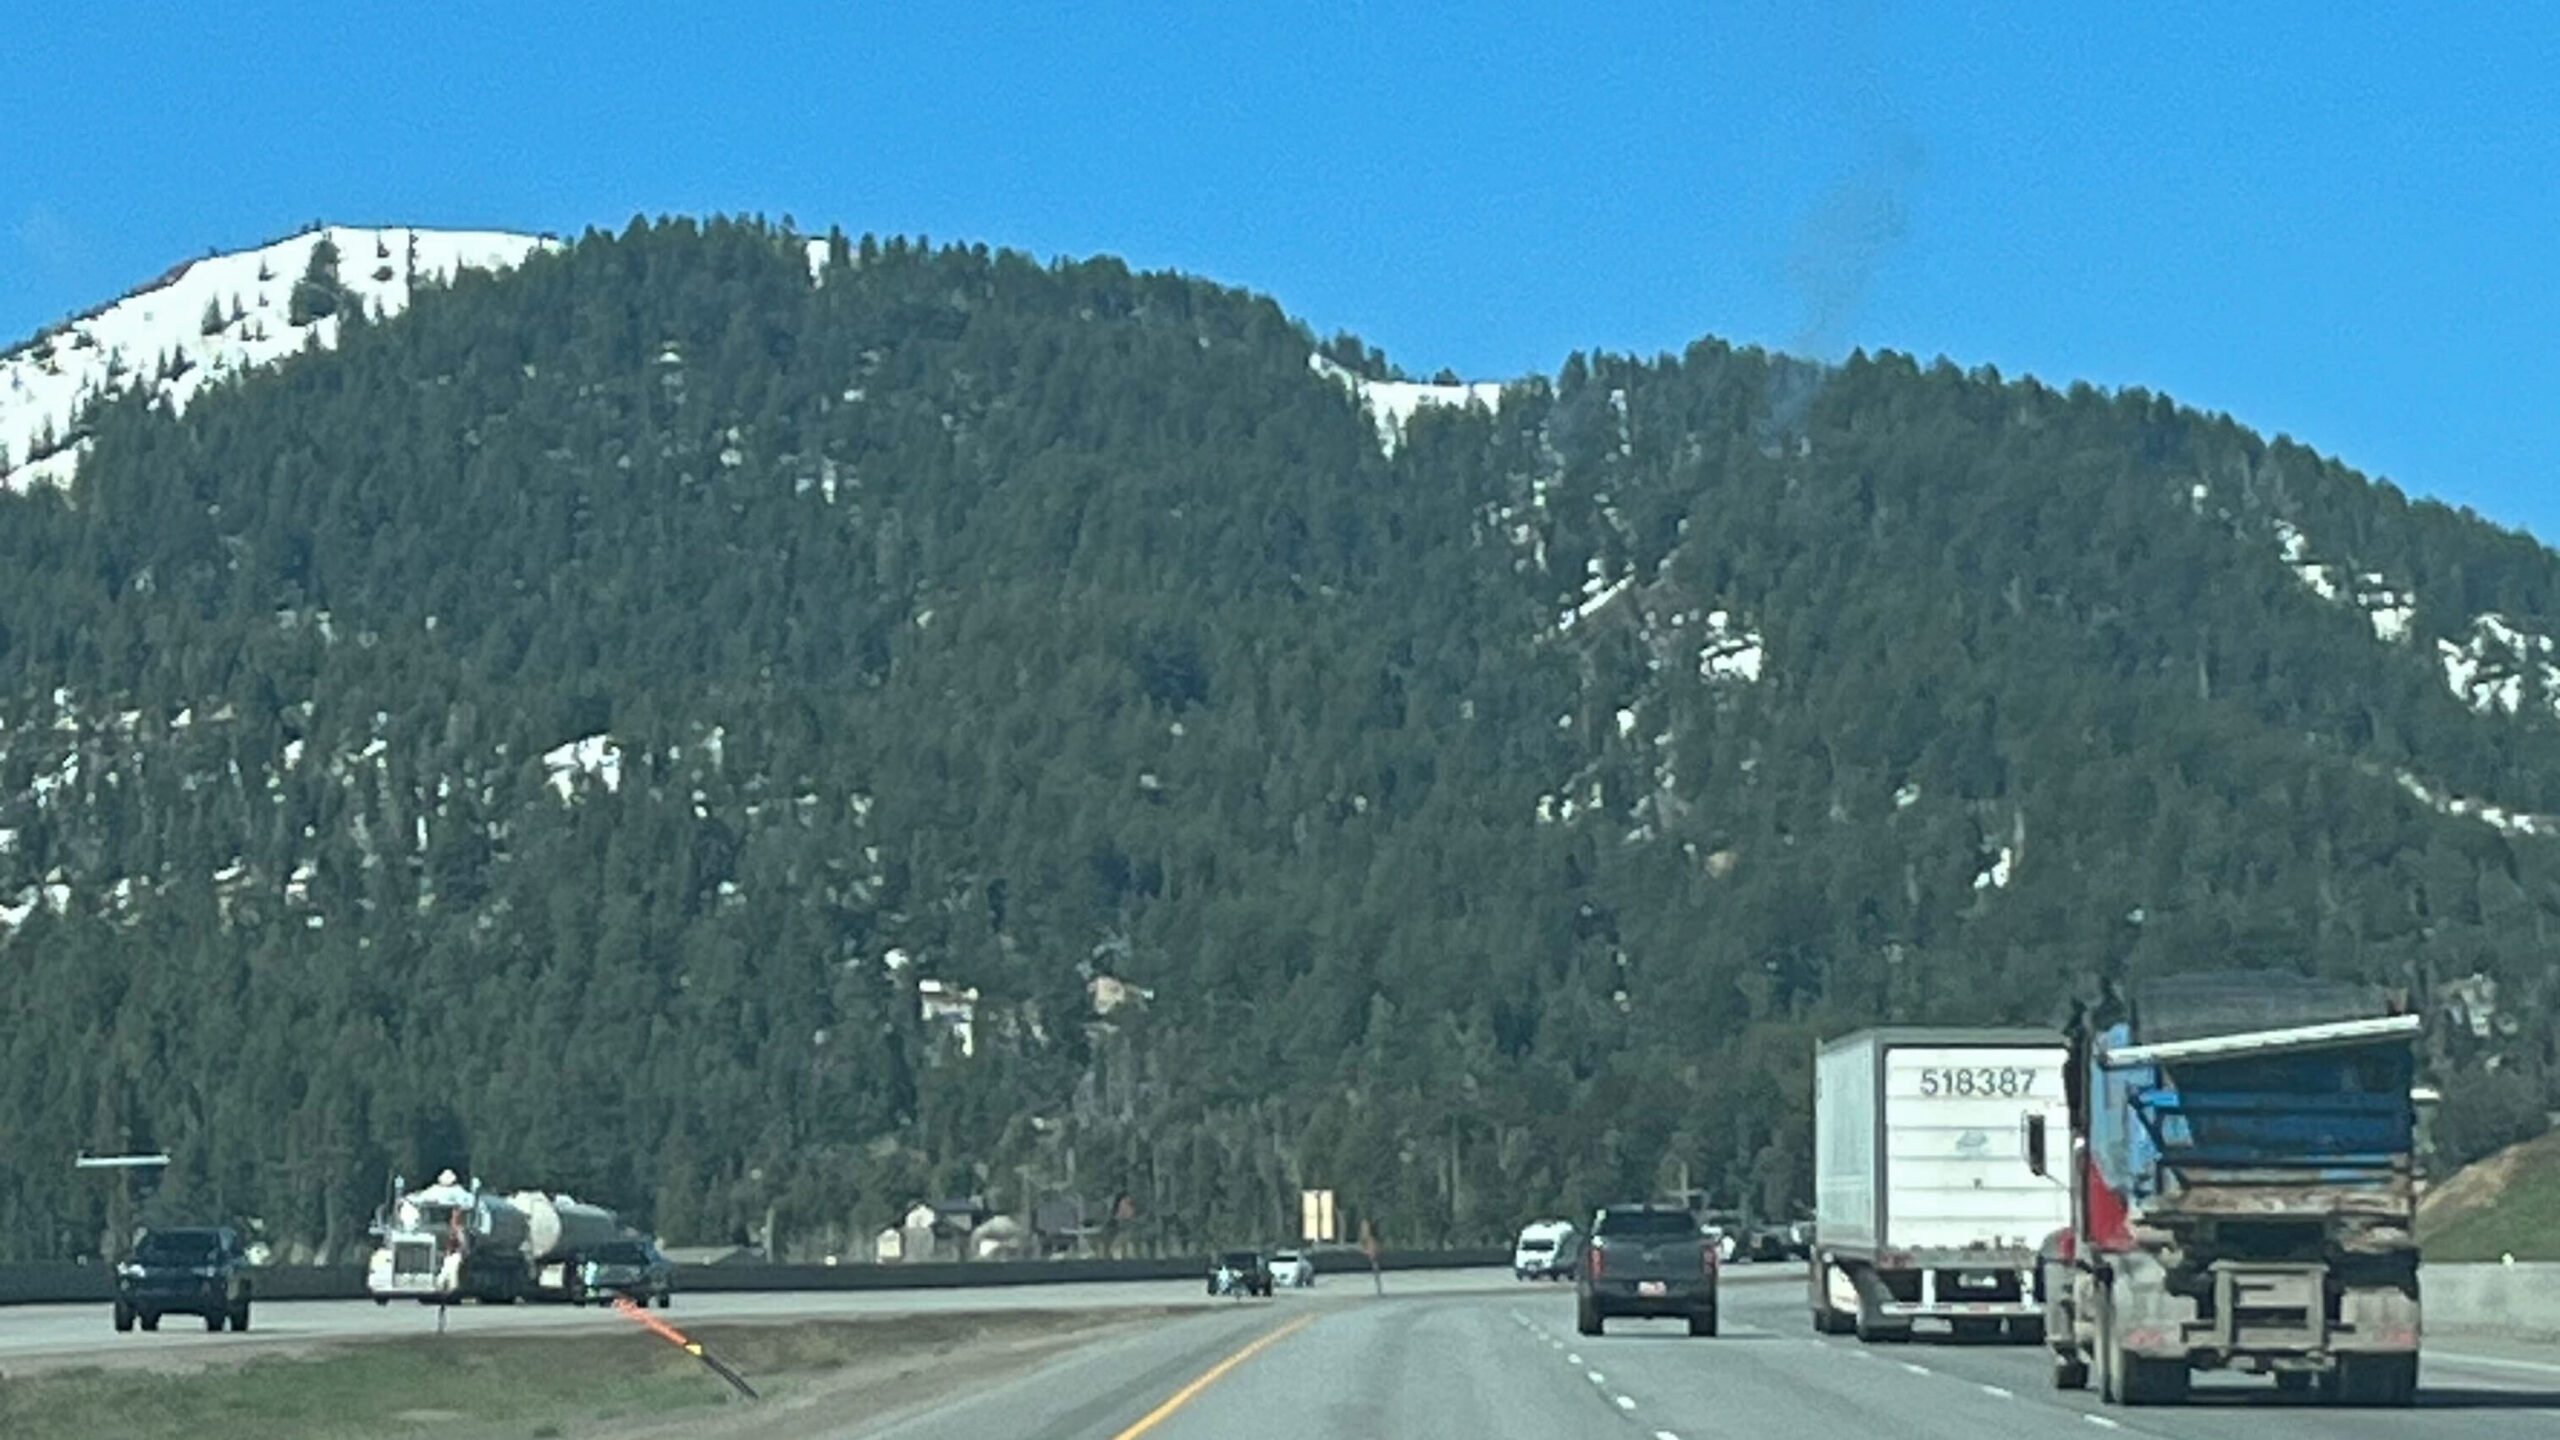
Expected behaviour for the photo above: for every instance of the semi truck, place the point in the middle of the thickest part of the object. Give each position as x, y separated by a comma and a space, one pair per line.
453, 1241
2242, 1192
1923, 1210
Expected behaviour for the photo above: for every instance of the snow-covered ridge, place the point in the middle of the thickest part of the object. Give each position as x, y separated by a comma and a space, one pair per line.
210, 318
1391, 403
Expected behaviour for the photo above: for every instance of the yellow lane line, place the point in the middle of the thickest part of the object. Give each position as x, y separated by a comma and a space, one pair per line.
1212, 1376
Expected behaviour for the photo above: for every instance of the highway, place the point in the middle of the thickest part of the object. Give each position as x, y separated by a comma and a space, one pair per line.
1459, 1355
1463, 1363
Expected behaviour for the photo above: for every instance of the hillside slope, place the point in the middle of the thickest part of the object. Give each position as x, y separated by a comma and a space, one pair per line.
752, 732
2500, 1205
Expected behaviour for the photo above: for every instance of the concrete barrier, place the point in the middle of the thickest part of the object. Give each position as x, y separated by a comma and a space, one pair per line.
2521, 1300
57, 1284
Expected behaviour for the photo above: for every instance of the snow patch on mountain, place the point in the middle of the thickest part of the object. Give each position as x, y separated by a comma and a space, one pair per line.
2496, 817
1730, 652
595, 756
1392, 403
2386, 608
2501, 667
212, 318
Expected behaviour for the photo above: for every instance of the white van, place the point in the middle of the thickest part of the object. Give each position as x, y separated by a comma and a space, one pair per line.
1546, 1250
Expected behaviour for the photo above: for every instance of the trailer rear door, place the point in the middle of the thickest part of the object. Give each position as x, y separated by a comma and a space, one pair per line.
1956, 1174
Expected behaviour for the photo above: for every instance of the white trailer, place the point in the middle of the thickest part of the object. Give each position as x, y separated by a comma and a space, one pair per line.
1924, 1207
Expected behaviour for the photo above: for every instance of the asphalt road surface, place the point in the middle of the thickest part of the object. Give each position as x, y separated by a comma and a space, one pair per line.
1502, 1360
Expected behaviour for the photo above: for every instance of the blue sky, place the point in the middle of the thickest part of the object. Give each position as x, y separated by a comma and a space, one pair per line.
2337, 222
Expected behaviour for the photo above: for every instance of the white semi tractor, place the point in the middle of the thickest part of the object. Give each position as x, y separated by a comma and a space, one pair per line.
1924, 1208
453, 1241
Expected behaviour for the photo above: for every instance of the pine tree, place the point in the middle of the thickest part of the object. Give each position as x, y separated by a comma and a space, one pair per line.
318, 293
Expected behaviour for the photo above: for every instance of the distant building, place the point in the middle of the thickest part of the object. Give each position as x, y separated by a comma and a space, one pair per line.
949, 1007
1066, 1224
2472, 1003
941, 1229
1110, 993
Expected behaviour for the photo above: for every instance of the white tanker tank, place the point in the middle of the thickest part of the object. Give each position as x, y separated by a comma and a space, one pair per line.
557, 1227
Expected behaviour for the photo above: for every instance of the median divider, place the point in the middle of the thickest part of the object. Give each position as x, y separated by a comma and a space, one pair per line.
67, 1284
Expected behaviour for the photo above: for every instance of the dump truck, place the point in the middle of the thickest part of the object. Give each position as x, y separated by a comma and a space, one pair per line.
453, 1241
1923, 1211
2242, 1192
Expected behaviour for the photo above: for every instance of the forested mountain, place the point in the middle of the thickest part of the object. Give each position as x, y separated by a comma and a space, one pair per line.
597, 727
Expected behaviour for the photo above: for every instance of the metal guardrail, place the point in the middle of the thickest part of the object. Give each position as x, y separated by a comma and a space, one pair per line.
66, 1284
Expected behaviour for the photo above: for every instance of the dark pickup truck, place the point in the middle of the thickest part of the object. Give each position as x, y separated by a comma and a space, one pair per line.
1647, 1260
185, 1272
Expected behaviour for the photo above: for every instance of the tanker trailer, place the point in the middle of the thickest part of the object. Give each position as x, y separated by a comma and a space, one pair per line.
559, 1233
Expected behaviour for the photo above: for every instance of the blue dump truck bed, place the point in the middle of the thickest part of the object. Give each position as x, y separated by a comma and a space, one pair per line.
2185, 1130
2243, 1194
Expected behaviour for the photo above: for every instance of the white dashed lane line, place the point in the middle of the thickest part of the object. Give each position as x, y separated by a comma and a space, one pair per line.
1996, 1393
1914, 1369
2102, 1422
1624, 1403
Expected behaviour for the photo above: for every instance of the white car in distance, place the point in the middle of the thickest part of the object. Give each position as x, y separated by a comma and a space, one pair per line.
1292, 1270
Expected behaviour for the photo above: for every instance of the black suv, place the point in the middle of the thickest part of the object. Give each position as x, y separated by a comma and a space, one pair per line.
186, 1272
1245, 1270
1647, 1260
625, 1267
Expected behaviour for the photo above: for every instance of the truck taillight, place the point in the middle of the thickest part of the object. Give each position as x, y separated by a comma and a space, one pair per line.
1708, 1259
1597, 1260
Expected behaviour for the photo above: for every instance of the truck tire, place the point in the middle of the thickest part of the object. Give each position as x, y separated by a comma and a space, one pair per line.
2295, 1382
1587, 1319
2070, 1372
2026, 1332
124, 1318
240, 1317
2377, 1380
147, 1319
1875, 1330
1703, 1323
213, 1321
2151, 1382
